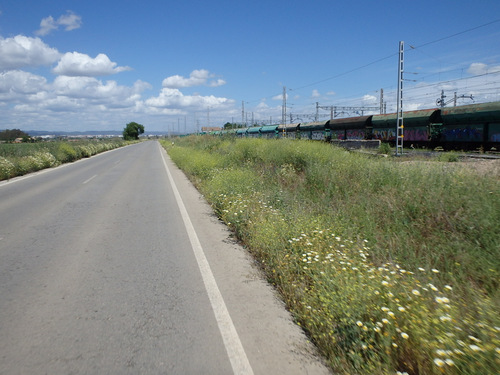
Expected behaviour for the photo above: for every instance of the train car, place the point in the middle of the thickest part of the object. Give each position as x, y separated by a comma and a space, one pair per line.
241, 133
288, 130
313, 130
254, 132
269, 131
416, 126
349, 128
470, 126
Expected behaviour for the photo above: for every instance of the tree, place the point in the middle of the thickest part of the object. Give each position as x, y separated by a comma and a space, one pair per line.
132, 131
10, 135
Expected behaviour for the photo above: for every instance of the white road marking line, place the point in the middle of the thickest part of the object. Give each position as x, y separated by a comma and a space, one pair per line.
89, 179
232, 342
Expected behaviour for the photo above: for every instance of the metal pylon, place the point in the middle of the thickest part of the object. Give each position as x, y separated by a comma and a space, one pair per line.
399, 123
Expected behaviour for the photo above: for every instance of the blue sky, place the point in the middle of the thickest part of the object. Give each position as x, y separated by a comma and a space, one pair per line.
97, 65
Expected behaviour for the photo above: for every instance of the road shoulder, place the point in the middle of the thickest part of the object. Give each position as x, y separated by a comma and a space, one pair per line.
272, 342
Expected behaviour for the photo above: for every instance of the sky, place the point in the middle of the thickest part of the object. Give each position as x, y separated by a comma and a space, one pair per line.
70, 65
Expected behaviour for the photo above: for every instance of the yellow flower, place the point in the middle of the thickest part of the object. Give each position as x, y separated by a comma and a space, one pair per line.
404, 335
415, 292
359, 323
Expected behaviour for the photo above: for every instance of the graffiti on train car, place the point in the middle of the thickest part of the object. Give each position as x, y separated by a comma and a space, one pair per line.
416, 134
463, 133
355, 134
384, 134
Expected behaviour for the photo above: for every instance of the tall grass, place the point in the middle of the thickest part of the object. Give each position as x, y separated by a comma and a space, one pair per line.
388, 266
19, 159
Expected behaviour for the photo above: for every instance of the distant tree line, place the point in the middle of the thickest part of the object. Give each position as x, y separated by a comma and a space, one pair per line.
10, 135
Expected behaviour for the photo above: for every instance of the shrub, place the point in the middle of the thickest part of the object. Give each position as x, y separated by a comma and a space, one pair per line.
6, 168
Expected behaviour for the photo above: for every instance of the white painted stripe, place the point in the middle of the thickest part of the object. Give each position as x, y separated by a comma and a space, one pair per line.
232, 342
90, 179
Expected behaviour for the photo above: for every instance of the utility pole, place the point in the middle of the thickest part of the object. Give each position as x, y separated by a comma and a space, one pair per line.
442, 103
381, 101
242, 112
399, 123
283, 107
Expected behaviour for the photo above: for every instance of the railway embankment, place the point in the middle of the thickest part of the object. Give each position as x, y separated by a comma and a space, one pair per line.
390, 265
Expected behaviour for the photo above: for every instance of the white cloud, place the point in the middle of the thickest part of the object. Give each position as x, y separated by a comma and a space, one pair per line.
69, 21
196, 78
481, 68
78, 64
369, 99
171, 98
17, 82
21, 51
315, 94
279, 97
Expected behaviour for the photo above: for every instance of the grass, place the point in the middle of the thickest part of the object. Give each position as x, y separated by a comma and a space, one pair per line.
19, 159
390, 267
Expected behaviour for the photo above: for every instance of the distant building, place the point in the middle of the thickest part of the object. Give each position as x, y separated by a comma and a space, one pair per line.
210, 128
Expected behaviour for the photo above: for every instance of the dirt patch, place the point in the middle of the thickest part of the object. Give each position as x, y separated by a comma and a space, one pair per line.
482, 166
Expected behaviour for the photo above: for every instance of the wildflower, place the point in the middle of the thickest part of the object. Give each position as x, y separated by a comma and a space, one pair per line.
385, 283
391, 314
415, 292
385, 321
404, 335
475, 348
394, 344
421, 269
442, 300
435, 270
401, 308
360, 324
474, 339
440, 352
445, 318
449, 362
433, 287
448, 287
384, 308
439, 362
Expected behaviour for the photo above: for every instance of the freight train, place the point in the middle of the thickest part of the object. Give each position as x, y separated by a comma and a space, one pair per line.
468, 127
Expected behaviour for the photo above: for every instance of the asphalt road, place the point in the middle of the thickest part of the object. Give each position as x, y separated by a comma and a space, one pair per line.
116, 265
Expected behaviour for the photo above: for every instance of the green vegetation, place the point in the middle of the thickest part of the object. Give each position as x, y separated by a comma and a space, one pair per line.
132, 131
389, 266
19, 159
10, 135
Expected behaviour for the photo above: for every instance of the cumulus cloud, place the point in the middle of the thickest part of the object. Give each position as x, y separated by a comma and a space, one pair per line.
315, 94
196, 78
75, 64
17, 86
369, 99
22, 51
69, 21
481, 68
171, 98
